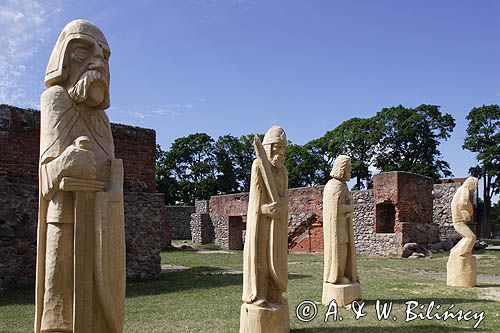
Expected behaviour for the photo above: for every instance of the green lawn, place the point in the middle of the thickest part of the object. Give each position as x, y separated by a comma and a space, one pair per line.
206, 297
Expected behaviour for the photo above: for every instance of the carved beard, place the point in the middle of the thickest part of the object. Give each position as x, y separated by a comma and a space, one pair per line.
79, 92
277, 160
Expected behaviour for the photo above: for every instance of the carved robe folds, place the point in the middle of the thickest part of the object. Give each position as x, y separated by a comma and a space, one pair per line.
80, 283
340, 278
265, 273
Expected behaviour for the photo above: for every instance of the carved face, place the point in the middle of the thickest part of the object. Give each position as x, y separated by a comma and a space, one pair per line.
88, 71
276, 154
347, 172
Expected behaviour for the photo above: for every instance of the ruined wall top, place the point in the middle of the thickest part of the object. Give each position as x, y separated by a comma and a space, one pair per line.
20, 141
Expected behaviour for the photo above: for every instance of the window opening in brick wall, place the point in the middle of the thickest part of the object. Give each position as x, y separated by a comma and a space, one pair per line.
385, 217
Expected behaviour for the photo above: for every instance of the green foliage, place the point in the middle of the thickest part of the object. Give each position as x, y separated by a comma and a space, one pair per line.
357, 138
409, 139
165, 180
483, 138
190, 166
196, 167
323, 152
495, 217
397, 138
227, 148
234, 158
302, 166
244, 159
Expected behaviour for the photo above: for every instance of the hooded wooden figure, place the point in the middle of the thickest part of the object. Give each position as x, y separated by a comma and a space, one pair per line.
339, 249
80, 274
265, 273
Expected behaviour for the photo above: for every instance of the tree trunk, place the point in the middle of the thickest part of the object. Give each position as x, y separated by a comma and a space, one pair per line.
485, 228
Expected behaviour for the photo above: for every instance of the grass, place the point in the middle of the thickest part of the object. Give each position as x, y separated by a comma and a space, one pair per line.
492, 241
205, 298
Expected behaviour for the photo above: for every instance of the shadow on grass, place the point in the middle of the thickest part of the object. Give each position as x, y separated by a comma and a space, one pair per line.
486, 285
200, 277
426, 301
194, 278
18, 295
371, 329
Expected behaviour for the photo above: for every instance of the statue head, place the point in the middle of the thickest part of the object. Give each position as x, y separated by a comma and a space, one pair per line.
275, 144
79, 63
342, 168
471, 184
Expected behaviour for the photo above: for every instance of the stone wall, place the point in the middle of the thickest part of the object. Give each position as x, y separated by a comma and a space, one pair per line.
20, 141
222, 207
144, 216
443, 194
18, 221
144, 223
19, 150
179, 218
202, 229
411, 195
368, 241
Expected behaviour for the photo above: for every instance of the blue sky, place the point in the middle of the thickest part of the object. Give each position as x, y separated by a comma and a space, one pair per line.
238, 67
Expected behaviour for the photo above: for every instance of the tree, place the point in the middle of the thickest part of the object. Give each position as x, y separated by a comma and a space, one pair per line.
244, 160
226, 149
191, 162
409, 140
323, 152
302, 166
165, 180
357, 138
483, 138
495, 217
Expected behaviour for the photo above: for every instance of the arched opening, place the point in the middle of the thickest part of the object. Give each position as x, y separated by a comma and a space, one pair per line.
385, 217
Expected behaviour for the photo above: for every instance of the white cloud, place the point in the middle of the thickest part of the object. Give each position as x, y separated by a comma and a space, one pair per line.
165, 112
126, 115
24, 26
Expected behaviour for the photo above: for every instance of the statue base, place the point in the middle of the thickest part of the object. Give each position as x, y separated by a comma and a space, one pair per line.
461, 270
258, 319
343, 294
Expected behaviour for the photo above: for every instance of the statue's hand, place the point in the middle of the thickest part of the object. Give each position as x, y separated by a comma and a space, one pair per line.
78, 161
271, 210
349, 208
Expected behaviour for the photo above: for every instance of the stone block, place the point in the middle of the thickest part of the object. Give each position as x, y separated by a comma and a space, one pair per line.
461, 270
257, 319
343, 294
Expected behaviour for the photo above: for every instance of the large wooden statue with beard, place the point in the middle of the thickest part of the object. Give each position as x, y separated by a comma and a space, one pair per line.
265, 273
80, 283
340, 278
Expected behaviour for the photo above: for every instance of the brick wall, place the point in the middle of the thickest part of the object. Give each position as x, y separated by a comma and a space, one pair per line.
20, 141
411, 195
19, 150
136, 146
19, 144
